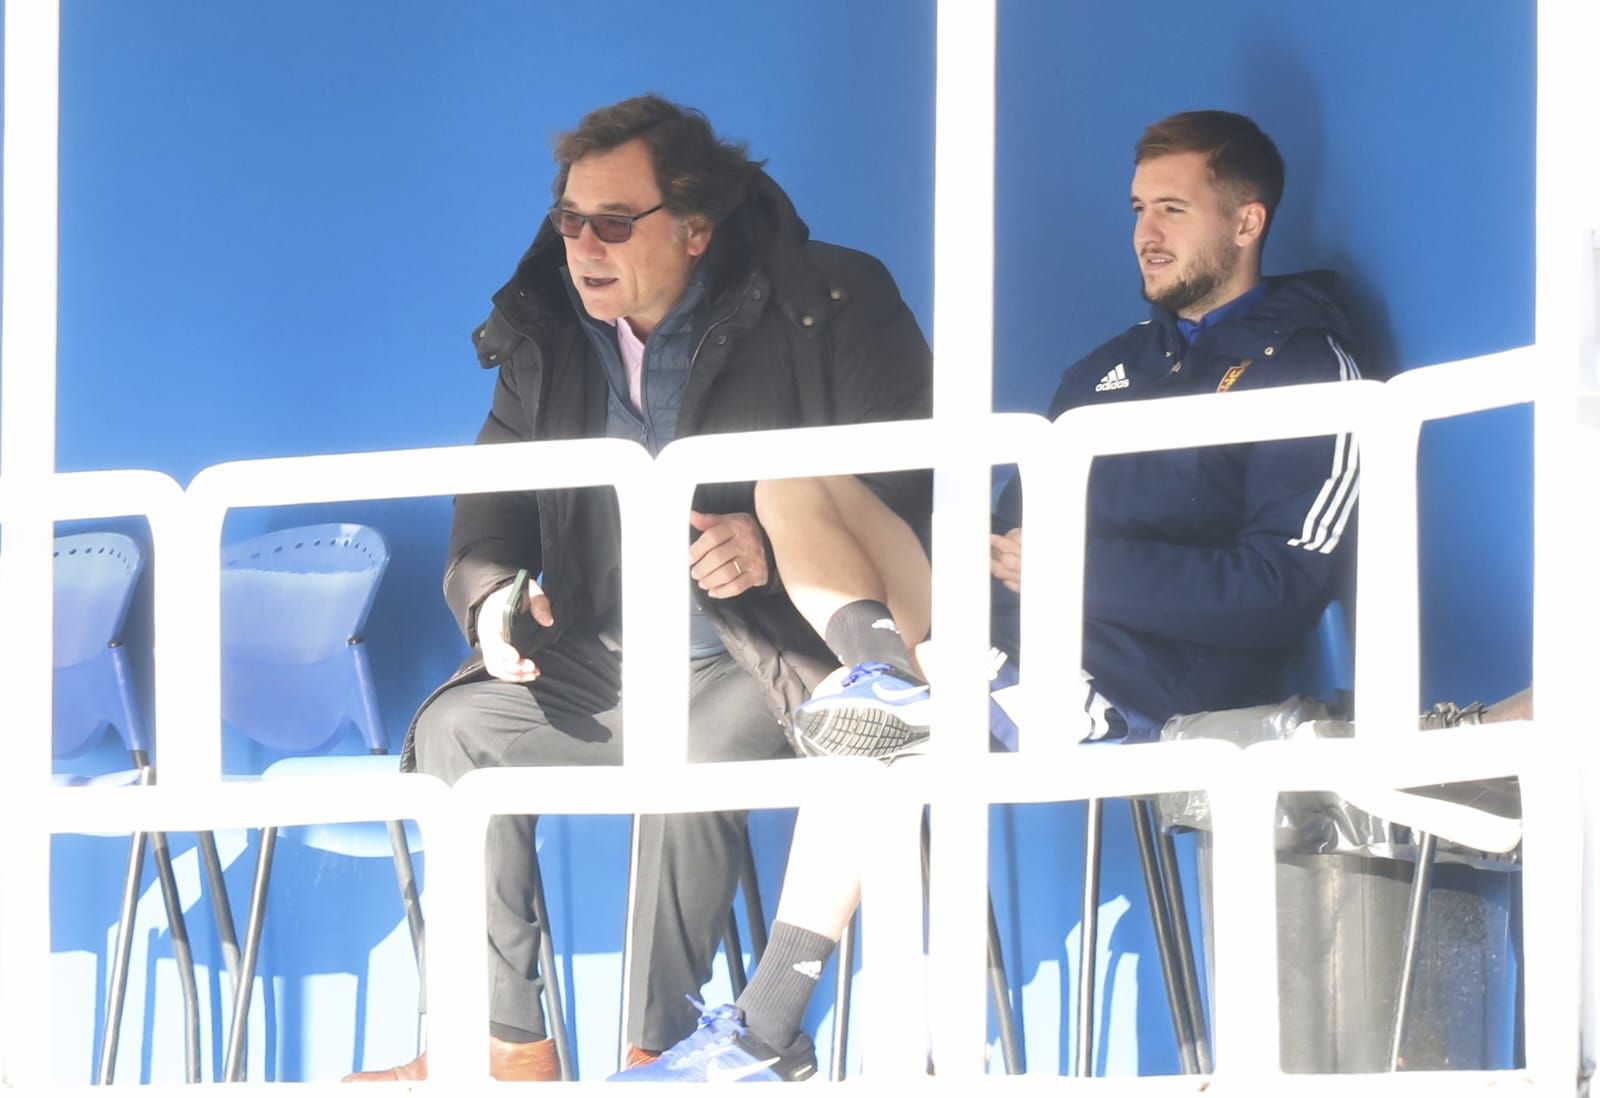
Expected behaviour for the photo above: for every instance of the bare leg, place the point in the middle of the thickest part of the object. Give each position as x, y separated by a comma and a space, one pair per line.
821, 889
836, 542
822, 884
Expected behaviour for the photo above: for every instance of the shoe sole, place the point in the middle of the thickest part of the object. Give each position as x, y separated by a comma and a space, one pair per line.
857, 730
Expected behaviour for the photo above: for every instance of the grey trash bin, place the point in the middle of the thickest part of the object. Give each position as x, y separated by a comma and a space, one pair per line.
1341, 925
1344, 892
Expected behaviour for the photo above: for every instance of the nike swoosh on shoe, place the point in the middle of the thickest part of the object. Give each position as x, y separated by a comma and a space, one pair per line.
717, 1072
898, 694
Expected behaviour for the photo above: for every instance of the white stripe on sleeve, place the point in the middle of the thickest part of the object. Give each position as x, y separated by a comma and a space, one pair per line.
1325, 521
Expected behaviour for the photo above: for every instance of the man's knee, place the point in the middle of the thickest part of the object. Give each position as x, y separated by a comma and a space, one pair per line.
445, 736
791, 499
729, 718
757, 738
850, 497
492, 723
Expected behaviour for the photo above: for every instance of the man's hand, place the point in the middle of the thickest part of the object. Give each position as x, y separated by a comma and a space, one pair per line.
499, 658
1005, 558
730, 555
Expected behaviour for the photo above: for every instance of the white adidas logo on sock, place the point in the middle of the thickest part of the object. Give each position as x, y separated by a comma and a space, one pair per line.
1116, 378
885, 623
811, 970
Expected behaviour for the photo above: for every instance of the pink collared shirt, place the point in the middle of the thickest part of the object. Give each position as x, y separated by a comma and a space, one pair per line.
632, 348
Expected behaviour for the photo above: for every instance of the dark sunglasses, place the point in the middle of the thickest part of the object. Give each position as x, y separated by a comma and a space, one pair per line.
611, 228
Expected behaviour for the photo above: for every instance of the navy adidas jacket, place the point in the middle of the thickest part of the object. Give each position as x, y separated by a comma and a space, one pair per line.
1204, 567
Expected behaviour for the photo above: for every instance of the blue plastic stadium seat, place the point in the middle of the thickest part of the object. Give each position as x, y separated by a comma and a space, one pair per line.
295, 676
94, 579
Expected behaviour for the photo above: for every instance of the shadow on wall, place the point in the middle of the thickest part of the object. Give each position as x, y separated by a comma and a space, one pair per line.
1036, 882
305, 941
1286, 102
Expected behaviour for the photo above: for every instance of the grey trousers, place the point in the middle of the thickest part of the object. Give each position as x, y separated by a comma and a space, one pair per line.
688, 870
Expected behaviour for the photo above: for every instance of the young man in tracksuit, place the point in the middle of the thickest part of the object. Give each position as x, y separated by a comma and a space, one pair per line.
1203, 566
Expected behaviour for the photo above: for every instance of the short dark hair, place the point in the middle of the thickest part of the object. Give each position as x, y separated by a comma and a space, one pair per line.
699, 173
1244, 162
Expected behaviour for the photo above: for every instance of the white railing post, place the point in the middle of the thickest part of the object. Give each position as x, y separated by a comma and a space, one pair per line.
188, 647
27, 460
1245, 1024
1566, 590
655, 613
963, 395
1555, 908
1387, 641
457, 980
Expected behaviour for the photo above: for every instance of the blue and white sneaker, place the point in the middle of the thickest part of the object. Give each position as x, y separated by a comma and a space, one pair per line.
723, 1050
874, 711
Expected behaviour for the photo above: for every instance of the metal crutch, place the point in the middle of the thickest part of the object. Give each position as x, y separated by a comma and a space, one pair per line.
555, 1010
1087, 932
755, 918
999, 987
845, 958
1011, 1049
1167, 858
1166, 900
1421, 880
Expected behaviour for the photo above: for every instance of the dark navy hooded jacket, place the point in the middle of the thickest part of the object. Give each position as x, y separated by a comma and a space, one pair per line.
1205, 567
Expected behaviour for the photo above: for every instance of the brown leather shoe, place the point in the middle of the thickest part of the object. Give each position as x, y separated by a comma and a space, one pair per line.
416, 1069
638, 1057
509, 1062
531, 1062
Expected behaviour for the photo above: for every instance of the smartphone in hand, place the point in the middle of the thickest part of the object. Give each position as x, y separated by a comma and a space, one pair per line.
517, 627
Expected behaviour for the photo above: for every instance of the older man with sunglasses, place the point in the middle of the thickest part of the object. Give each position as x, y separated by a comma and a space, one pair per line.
672, 291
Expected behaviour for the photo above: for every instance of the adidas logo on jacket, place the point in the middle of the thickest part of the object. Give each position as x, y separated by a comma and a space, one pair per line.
1116, 378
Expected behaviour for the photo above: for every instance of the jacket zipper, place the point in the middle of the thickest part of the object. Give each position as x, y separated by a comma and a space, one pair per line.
719, 323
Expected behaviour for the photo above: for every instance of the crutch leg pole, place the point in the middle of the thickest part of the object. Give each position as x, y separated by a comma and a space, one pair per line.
1420, 882
1161, 918
1087, 932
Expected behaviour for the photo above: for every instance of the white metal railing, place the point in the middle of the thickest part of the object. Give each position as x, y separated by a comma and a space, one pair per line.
27, 386
654, 496
1567, 324
963, 392
185, 526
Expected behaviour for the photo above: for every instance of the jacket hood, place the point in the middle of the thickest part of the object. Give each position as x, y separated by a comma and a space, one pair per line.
764, 232
1295, 302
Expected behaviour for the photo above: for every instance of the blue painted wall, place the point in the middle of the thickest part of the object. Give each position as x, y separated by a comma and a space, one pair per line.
279, 222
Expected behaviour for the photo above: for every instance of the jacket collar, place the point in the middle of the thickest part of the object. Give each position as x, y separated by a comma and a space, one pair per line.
1291, 304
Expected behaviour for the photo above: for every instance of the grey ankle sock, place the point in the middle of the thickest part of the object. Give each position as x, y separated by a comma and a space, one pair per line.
775, 1000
